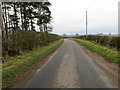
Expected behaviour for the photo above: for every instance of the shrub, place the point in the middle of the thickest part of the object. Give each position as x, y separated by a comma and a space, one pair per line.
108, 41
21, 41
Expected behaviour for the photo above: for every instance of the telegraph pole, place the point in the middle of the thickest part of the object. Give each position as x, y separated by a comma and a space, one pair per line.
86, 23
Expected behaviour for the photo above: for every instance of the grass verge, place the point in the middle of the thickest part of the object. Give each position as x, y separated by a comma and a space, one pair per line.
16, 66
109, 54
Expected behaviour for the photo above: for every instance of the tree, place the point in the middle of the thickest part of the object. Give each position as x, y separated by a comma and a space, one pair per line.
5, 18
1, 21
24, 16
76, 34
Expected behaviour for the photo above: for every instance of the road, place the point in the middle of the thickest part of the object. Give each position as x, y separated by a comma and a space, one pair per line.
69, 67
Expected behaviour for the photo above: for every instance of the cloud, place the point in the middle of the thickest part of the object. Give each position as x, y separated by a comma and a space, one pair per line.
69, 16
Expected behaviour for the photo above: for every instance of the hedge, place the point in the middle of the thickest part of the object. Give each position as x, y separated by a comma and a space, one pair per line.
109, 41
22, 41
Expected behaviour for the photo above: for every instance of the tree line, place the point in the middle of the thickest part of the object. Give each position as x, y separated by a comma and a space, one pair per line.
25, 16
19, 21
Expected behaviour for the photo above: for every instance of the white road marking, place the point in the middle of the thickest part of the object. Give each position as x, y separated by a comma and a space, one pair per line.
46, 62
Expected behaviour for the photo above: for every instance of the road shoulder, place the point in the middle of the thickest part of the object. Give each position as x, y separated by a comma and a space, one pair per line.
110, 68
28, 75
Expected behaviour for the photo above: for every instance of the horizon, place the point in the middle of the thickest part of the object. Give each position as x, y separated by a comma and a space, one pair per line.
101, 19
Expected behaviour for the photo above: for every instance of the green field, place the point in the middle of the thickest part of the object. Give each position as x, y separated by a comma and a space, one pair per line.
109, 54
17, 66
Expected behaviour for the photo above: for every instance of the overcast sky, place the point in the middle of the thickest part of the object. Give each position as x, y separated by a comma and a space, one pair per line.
69, 16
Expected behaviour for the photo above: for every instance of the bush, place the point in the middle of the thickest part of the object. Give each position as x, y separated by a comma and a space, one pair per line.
108, 41
21, 41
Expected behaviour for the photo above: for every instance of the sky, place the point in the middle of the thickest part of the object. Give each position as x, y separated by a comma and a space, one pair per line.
69, 16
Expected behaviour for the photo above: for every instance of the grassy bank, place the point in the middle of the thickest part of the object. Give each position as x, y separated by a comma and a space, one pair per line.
107, 53
17, 66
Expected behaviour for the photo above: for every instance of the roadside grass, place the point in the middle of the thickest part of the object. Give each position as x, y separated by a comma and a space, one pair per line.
109, 54
17, 66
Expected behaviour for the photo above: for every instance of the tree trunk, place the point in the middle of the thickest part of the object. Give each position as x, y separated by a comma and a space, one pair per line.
25, 16
16, 22
21, 11
1, 21
6, 26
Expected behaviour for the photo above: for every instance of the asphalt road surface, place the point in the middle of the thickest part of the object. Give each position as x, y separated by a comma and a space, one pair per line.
69, 67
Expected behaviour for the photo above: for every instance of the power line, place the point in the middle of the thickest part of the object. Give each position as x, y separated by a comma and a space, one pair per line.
92, 5
88, 8
85, 13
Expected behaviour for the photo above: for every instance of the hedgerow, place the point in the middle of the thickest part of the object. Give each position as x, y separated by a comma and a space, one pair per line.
109, 41
22, 41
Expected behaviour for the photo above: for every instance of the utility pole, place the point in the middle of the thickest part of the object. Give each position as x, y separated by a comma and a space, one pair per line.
86, 23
